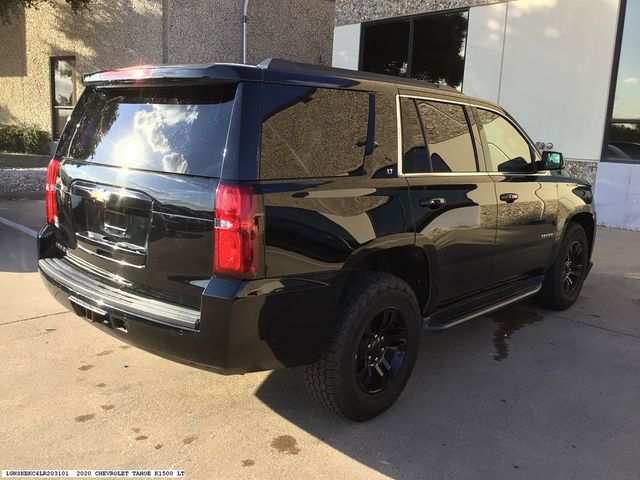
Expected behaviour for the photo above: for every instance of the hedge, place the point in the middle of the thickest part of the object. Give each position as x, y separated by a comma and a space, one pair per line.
17, 139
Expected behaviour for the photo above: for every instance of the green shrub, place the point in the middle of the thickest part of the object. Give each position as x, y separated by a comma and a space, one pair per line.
11, 138
17, 139
36, 141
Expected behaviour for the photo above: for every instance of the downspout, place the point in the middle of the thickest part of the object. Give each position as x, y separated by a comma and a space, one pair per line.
165, 31
245, 20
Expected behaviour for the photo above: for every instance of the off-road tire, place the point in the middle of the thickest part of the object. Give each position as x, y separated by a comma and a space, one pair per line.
331, 381
553, 295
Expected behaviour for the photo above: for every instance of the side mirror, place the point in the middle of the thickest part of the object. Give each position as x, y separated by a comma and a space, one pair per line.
551, 161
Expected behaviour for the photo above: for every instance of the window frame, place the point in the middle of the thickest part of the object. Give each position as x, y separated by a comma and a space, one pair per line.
411, 18
55, 136
470, 108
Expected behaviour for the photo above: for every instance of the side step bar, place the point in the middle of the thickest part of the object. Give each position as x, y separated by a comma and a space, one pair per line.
479, 313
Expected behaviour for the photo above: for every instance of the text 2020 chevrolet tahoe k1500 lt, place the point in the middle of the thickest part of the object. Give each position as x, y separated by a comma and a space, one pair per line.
242, 218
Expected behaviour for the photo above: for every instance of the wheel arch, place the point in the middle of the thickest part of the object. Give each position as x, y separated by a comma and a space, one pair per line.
408, 262
586, 221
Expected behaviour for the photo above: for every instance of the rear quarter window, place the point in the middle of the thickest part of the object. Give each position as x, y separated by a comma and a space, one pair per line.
312, 132
169, 129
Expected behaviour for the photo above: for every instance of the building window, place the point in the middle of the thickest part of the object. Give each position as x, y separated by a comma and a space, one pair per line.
429, 48
624, 126
385, 48
63, 92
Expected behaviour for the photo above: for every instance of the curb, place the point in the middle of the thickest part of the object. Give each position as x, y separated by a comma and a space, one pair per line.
22, 196
22, 182
23, 160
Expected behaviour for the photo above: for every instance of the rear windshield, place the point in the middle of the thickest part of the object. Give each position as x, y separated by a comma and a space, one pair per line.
167, 129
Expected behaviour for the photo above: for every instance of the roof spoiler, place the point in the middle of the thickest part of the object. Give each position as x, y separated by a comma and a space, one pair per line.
164, 74
232, 72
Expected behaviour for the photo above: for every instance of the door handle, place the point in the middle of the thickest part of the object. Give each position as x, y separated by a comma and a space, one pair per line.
509, 197
432, 203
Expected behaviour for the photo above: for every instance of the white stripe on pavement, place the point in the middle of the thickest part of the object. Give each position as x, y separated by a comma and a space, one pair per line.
17, 226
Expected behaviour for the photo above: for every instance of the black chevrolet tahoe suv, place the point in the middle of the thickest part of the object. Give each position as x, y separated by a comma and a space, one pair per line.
243, 218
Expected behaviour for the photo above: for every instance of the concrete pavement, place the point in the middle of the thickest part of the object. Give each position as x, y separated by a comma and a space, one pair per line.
524, 393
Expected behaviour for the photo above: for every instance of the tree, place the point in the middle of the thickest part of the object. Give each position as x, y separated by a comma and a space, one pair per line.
10, 8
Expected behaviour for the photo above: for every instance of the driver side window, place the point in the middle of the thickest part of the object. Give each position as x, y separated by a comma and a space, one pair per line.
508, 149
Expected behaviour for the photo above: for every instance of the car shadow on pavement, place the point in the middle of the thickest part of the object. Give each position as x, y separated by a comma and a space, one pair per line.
18, 252
17, 238
456, 403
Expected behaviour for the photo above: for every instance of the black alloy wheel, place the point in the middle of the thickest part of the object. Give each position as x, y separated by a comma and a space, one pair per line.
381, 351
564, 277
573, 267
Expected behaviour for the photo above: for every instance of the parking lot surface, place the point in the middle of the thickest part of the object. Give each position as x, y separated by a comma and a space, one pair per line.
522, 393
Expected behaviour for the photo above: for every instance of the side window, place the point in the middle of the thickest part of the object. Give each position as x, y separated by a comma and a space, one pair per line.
312, 132
508, 149
414, 154
448, 138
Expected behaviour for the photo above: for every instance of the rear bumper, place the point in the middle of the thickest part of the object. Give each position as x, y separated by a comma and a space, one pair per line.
242, 326
82, 287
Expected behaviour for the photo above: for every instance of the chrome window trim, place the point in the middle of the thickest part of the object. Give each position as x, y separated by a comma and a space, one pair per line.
455, 174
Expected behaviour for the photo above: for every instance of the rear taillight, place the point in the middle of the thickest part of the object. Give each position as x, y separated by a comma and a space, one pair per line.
50, 191
236, 235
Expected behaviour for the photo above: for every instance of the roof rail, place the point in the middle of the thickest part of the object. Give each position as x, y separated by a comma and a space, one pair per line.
282, 64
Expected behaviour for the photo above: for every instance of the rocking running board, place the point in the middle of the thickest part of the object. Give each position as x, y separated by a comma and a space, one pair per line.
505, 303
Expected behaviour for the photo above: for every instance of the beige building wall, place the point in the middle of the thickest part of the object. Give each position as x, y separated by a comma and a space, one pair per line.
199, 32
300, 30
112, 33
119, 33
